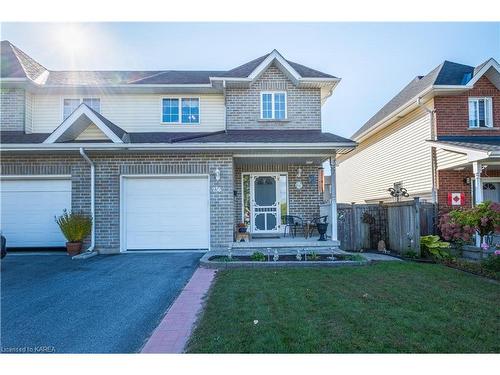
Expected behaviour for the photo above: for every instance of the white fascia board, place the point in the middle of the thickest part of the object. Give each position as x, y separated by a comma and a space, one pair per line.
81, 110
176, 146
473, 154
491, 63
400, 109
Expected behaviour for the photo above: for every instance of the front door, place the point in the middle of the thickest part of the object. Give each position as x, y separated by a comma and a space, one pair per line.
264, 192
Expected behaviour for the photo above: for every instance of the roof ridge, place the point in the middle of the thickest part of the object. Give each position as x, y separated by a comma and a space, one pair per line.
22, 57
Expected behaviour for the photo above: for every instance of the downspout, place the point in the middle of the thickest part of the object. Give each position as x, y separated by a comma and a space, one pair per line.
92, 198
225, 104
431, 113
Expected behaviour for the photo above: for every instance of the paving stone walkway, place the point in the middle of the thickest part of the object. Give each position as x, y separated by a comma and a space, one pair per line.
173, 332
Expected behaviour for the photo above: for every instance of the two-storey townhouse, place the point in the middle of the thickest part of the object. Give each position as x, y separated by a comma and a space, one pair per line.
438, 138
161, 159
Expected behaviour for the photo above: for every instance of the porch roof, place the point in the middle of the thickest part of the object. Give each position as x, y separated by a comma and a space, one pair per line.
476, 148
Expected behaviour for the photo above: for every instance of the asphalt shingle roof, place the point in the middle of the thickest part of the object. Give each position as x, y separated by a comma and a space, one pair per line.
230, 136
446, 73
17, 64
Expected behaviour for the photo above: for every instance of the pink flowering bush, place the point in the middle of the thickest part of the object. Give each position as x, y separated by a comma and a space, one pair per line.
461, 225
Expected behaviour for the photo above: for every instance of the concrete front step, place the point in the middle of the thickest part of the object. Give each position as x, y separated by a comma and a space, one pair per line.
285, 244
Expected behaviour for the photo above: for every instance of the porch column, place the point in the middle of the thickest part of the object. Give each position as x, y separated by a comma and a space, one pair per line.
478, 185
333, 198
478, 190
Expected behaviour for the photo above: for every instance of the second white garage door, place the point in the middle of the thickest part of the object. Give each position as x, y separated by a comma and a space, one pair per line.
165, 213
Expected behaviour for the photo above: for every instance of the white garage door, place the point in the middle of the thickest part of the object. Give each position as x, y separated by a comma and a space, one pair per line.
28, 207
165, 213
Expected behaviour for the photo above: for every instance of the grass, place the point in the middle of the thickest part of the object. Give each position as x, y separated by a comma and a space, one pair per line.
391, 307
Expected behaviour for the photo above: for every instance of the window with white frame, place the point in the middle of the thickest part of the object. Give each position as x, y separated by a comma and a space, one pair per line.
70, 104
480, 113
181, 110
273, 105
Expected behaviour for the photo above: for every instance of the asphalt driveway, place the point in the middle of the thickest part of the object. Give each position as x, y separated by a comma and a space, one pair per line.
105, 304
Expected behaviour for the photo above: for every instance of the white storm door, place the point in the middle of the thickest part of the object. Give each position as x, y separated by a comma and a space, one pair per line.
265, 203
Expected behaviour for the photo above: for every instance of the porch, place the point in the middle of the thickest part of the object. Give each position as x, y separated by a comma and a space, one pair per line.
270, 189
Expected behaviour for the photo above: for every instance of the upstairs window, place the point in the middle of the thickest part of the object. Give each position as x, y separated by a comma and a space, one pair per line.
181, 110
69, 105
480, 113
273, 105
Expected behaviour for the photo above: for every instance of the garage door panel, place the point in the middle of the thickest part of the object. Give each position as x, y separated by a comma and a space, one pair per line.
166, 213
28, 210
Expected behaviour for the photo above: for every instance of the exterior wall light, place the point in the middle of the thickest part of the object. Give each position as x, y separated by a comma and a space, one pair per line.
217, 174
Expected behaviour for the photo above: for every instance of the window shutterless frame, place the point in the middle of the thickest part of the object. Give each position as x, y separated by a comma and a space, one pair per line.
80, 98
180, 98
273, 108
473, 108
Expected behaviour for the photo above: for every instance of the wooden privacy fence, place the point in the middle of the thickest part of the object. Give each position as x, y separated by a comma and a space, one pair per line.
399, 224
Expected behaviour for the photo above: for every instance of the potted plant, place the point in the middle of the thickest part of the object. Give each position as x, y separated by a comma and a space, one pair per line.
75, 227
242, 228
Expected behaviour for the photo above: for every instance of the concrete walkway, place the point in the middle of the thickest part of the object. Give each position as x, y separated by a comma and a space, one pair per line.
379, 257
173, 332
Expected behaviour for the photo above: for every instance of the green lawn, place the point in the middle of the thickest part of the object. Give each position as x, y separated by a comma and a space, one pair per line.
389, 307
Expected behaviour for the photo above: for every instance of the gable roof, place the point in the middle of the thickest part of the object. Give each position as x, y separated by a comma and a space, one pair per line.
79, 120
445, 74
17, 64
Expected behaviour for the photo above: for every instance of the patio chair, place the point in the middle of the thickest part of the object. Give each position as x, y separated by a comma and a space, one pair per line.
291, 223
310, 226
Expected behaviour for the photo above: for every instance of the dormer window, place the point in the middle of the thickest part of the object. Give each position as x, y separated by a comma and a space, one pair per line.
480, 113
70, 104
273, 105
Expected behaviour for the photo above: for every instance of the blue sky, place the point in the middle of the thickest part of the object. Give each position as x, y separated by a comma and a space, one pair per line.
374, 60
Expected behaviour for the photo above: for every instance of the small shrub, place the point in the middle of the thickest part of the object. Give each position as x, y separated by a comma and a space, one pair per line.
74, 226
258, 257
313, 256
492, 263
411, 254
433, 247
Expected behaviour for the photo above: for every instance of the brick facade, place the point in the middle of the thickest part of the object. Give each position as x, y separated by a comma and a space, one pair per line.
452, 112
450, 181
243, 105
304, 202
12, 109
109, 167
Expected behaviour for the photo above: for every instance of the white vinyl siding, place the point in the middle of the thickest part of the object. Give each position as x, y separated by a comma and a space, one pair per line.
397, 153
92, 133
28, 119
448, 159
133, 113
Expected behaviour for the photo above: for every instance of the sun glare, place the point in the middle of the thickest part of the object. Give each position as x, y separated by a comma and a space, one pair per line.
73, 41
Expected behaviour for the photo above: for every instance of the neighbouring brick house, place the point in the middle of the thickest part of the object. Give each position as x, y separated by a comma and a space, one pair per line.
162, 159
439, 138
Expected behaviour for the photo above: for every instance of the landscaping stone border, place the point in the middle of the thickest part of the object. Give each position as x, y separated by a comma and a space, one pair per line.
206, 263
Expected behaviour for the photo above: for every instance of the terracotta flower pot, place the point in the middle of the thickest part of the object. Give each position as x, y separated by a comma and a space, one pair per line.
73, 248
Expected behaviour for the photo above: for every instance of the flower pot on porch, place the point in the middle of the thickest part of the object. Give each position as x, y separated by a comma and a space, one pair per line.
73, 248
322, 227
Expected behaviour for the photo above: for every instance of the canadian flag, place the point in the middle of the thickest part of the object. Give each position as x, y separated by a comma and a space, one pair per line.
456, 199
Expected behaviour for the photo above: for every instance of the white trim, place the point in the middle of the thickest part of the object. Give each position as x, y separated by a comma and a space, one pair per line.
472, 153
273, 113
179, 98
175, 146
488, 118
79, 97
274, 55
81, 110
36, 177
491, 63
122, 237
